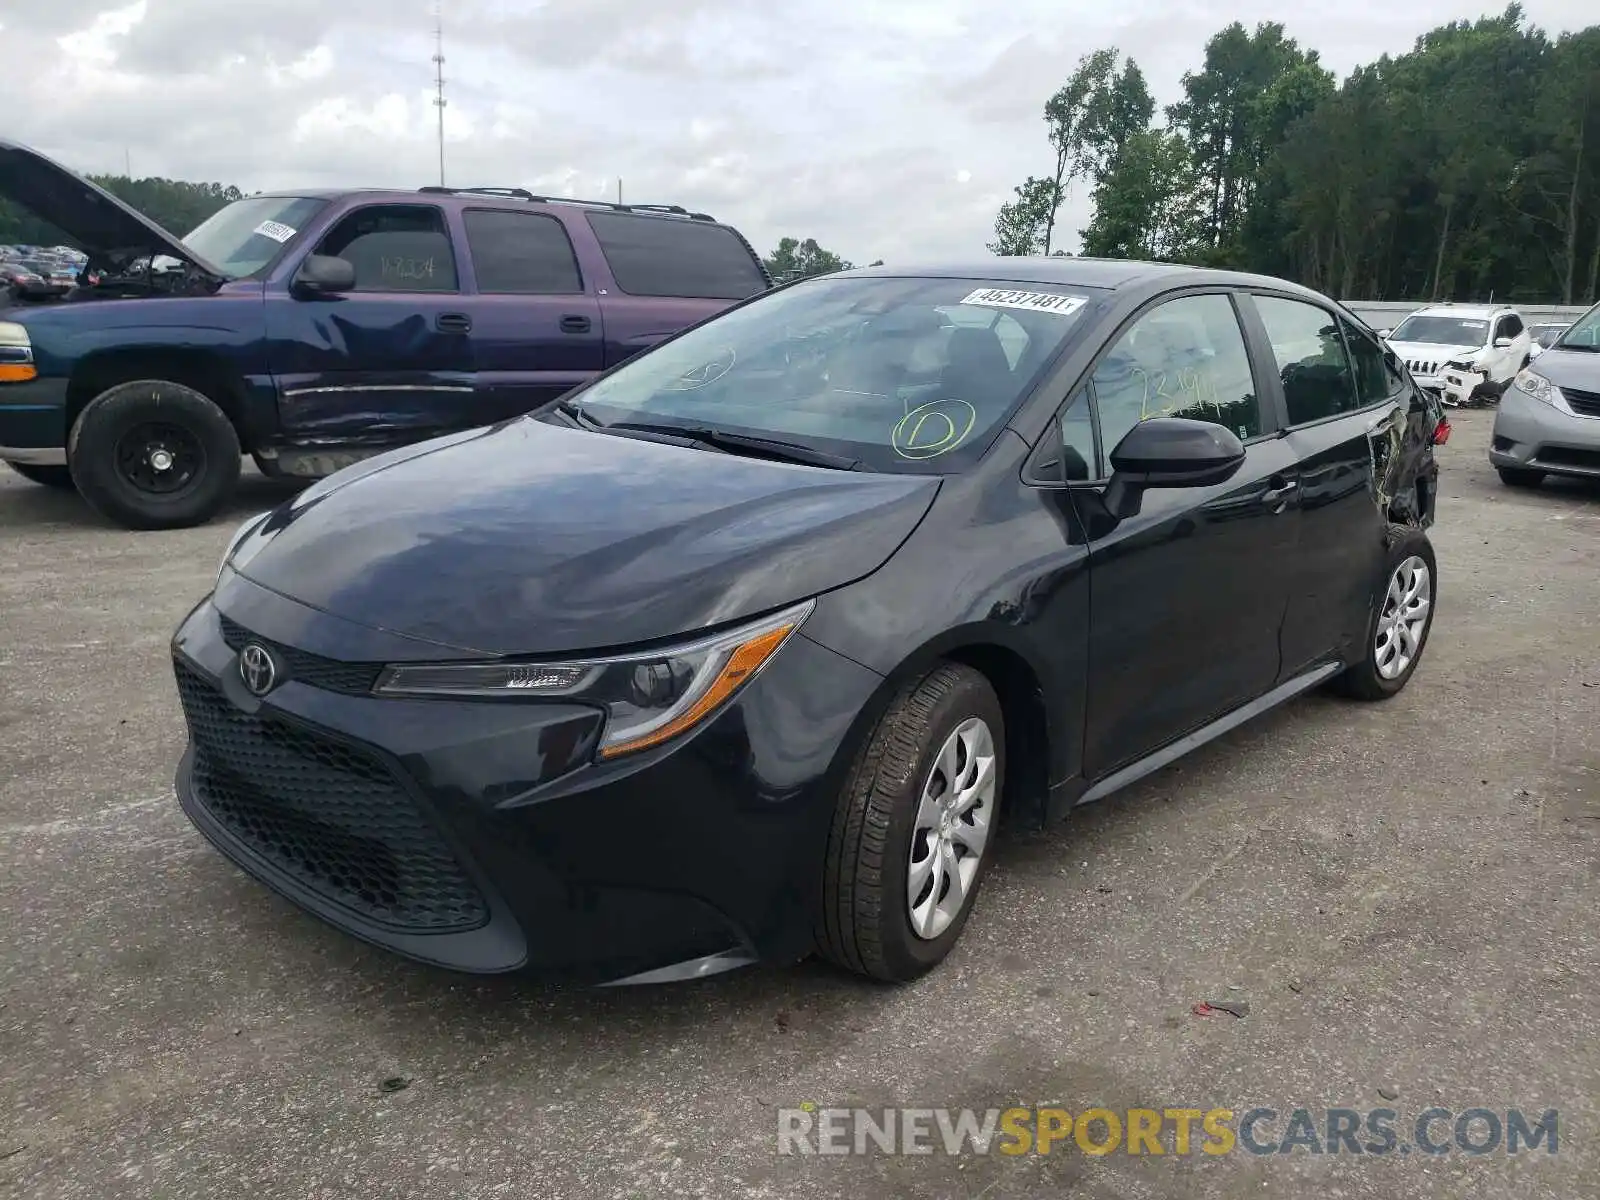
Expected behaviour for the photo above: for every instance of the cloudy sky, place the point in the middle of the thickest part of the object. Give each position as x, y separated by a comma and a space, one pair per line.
884, 128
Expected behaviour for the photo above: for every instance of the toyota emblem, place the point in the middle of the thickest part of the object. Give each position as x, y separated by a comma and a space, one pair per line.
257, 669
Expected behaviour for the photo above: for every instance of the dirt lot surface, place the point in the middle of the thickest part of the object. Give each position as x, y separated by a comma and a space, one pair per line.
1404, 895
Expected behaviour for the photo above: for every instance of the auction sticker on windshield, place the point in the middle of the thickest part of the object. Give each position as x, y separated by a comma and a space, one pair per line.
1034, 301
276, 230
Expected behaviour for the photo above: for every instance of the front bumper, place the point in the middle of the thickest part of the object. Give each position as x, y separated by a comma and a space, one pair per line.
480, 836
1529, 435
33, 422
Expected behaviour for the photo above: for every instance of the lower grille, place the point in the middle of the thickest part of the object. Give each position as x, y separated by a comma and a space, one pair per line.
1585, 404
1561, 456
329, 815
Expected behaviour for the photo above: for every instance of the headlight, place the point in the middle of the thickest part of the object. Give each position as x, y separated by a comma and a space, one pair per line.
649, 697
16, 354
239, 535
1531, 383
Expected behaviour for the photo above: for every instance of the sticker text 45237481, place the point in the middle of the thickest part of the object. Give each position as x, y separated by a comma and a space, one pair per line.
1034, 301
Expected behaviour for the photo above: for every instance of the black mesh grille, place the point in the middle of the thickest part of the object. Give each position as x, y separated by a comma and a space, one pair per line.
329, 815
1585, 404
329, 674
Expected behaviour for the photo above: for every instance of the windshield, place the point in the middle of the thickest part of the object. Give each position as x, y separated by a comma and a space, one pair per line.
1585, 331
248, 234
1442, 331
897, 374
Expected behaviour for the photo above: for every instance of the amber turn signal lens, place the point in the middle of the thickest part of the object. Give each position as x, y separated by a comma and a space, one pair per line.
741, 664
17, 372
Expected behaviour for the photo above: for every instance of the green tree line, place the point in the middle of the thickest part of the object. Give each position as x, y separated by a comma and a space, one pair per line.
173, 204
1465, 168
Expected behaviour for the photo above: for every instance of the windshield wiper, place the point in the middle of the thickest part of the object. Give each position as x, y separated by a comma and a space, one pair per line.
743, 443
568, 408
1585, 347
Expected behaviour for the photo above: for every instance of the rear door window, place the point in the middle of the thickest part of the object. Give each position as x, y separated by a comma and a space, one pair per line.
521, 254
1376, 379
1315, 369
669, 256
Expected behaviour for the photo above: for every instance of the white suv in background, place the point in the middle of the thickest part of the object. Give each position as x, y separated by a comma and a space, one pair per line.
1462, 352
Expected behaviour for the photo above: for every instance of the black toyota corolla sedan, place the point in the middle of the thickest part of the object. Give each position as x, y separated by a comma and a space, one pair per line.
742, 650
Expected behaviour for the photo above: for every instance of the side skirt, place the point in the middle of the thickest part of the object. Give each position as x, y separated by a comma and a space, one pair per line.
1066, 796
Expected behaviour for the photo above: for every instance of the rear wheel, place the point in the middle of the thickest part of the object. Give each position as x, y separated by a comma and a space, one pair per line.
1401, 619
50, 476
1520, 477
912, 831
153, 454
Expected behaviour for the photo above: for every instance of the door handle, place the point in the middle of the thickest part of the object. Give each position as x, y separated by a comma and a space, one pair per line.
574, 324
453, 323
1277, 495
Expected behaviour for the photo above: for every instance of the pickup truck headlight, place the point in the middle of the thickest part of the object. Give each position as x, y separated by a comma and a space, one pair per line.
649, 697
16, 354
239, 535
1530, 383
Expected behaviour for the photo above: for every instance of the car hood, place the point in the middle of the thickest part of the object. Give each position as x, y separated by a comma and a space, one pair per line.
529, 538
88, 214
1432, 351
1575, 369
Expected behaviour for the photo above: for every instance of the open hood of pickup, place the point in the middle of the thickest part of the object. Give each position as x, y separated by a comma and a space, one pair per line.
97, 221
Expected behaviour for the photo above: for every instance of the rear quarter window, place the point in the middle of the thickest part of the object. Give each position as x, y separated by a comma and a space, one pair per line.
667, 256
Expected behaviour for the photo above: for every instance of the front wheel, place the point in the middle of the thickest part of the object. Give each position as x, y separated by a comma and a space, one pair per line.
153, 454
49, 476
1401, 619
913, 828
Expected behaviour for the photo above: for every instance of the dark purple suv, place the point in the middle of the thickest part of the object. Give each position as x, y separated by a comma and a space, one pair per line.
311, 329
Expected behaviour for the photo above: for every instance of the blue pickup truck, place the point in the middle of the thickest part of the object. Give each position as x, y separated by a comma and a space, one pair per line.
315, 328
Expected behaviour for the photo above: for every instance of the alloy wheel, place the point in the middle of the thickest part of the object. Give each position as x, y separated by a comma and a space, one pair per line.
952, 828
1404, 619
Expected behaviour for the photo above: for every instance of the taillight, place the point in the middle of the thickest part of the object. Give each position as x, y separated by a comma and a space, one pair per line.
1441, 433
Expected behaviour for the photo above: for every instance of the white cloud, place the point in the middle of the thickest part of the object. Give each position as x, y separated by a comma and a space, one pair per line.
884, 128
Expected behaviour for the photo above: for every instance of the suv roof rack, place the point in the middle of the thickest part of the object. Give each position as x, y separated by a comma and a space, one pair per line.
515, 193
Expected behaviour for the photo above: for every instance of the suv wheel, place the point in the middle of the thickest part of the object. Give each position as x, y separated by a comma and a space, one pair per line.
153, 454
913, 828
1521, 477
1402, 617
50, 476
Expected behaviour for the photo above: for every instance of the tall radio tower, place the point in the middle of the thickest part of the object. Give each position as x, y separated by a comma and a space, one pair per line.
438, 77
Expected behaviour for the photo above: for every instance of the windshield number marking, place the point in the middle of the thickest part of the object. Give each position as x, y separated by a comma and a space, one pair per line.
276, 230
1047, 302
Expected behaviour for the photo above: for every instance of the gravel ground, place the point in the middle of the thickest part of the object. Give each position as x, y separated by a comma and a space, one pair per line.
1403, 894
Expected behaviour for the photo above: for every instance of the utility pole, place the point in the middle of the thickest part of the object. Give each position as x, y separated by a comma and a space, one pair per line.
438, 77
619, 191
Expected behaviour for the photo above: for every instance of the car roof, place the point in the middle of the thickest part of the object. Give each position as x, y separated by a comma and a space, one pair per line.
1069, 271
483, 197
1470, 311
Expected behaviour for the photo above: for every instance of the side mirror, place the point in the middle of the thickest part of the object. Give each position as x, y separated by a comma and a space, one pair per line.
324, 275
1169, 452
1504, 343
1384, 333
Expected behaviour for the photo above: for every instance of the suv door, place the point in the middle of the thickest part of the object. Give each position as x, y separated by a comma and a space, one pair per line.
537, 328
1187, 596
1508, 360
668, 272
1346, 414
390, 360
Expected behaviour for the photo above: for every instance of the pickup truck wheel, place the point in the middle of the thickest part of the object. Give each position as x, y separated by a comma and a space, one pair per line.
56, 477
153, 454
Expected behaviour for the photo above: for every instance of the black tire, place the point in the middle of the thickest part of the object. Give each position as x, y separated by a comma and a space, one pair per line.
1363, 680
863, 924
103, 451
49, 476
1520, 477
